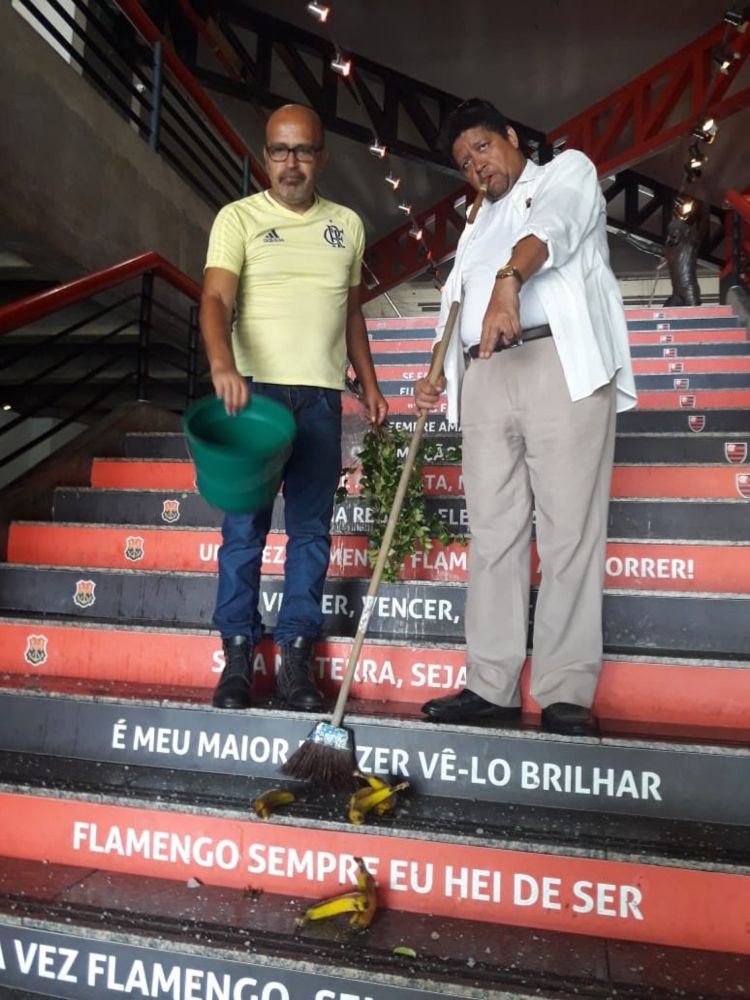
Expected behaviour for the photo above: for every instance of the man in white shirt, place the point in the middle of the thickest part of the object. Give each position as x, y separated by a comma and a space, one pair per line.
538, 420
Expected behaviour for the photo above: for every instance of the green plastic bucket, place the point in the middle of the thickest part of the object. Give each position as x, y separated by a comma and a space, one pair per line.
239, 460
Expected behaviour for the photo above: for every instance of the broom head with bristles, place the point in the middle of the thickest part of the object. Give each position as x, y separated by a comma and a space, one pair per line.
325, 758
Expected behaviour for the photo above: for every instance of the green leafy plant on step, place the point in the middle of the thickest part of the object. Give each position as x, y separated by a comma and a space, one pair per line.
382, 457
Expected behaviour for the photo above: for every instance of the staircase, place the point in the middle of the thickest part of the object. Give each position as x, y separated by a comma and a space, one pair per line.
520, 864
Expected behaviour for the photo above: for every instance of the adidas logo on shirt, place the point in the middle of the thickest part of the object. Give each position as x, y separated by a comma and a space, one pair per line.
272, 237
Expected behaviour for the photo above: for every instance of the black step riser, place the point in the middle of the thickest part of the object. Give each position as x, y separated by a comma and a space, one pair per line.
488, 767
718, 421
687, 626
107, 975
690, 449
634, 326
656, 351
643, 519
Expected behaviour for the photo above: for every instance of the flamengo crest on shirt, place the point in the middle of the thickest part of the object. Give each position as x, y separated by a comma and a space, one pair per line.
334, 236
36, 650
743, 485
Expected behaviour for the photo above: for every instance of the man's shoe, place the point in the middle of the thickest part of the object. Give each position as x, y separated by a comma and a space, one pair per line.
294, 683
468, 707
568, 719
233, 689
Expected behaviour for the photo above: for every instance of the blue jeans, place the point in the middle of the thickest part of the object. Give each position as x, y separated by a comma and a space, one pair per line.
311, 476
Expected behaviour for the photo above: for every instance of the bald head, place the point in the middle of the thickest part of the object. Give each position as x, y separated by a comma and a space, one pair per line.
295, 115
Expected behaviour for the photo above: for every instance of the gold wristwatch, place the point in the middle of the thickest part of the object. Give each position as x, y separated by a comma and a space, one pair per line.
509, 271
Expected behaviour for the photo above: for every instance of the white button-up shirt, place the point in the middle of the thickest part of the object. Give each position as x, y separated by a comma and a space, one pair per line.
561, 204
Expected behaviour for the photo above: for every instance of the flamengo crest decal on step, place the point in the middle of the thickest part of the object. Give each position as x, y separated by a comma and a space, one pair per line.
36, 650
84, 594
134, 546
170, 511
735, 452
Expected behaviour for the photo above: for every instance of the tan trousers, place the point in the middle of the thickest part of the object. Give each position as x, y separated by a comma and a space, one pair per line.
524, 438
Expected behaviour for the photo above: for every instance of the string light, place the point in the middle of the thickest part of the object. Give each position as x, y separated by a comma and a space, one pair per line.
725, 59
684, 207
344, 68
738, 19
706, 130
695, 161
341, 65
319, 11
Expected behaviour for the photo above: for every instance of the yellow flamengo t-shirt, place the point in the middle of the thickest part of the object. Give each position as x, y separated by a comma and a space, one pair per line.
295, 271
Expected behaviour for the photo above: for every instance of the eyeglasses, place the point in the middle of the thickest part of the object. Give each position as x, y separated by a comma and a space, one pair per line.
303, 153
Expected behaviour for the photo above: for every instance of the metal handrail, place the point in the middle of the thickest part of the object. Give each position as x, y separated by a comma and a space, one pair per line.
35, 307
148, 30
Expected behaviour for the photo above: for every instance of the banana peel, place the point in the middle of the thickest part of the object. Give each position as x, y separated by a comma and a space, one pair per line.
270, 801
361, 903
377, 795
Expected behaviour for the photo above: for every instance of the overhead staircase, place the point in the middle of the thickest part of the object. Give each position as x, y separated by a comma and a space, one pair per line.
518, 864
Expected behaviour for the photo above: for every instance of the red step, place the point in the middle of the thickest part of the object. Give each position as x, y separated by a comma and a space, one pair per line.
681, 312
663, 481
568, 889
662, 692
631, 565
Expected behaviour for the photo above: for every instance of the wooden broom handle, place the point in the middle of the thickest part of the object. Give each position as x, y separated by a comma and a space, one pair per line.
436, 368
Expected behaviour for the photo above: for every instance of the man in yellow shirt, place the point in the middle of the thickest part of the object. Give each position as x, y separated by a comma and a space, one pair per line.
291, 263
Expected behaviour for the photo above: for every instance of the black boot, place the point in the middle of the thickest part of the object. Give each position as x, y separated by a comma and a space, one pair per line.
294, 683
233, 689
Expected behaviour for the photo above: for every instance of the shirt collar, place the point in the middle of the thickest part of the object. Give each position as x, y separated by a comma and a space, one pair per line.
529, 172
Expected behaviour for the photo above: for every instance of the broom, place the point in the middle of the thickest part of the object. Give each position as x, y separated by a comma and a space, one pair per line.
327, 755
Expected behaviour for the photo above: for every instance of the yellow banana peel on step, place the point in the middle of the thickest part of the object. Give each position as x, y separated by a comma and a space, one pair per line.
377, 795
269, 802
361, 903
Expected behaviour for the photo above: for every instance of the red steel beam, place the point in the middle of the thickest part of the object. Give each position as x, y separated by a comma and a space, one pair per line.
632, 123
660, 105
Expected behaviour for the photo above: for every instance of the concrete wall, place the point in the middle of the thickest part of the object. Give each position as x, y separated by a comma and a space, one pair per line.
80, 190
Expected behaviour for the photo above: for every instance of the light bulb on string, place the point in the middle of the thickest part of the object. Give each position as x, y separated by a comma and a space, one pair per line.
341, 65
393, 180
725, 59
319, 11
706, 130
684, 208
377, 150
415, 232
694, 164
404, 207
737, 19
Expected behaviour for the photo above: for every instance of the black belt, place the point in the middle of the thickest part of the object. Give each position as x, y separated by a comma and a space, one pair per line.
533, 333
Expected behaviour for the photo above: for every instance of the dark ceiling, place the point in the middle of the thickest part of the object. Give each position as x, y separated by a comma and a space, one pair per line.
540, 62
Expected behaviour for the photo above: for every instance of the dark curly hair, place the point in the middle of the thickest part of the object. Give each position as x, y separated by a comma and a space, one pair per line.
474, 113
